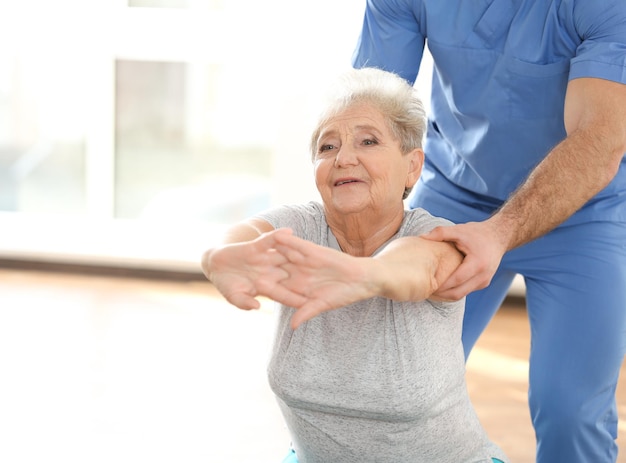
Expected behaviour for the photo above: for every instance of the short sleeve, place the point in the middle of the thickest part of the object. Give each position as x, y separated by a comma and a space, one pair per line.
306, 220
419, 221
391, 38
602, 53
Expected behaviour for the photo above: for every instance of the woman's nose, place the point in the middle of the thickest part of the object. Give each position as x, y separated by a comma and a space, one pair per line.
346, 156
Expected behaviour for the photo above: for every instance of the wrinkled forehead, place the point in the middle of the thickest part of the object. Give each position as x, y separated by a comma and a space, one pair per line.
355, 115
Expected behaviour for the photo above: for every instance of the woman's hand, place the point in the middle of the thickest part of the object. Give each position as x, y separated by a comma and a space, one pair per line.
325, 278
246, 270
408, 269
314, 279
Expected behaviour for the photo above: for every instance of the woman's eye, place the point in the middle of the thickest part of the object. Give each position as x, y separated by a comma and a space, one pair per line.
370, 141
325, 148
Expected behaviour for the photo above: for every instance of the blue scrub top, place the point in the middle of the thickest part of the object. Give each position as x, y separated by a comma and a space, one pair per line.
501, 68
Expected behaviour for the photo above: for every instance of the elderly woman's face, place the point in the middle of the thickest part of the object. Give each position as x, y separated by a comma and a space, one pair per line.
359, 164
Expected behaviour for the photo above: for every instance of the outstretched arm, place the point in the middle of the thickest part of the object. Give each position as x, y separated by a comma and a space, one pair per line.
569, 176
409, 268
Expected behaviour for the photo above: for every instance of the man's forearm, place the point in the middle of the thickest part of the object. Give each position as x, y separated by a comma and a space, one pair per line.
575, 171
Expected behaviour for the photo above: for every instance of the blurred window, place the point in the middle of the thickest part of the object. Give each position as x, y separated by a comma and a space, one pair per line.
191, 114
42, 136
174, 156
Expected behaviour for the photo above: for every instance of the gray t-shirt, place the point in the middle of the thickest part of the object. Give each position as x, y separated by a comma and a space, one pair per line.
378, 380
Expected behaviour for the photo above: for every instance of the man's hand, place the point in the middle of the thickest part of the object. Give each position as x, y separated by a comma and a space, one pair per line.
480, 244
570, 175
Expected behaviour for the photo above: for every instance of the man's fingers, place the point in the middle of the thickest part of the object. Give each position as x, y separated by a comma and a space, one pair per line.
442, 233
466, 278
455, 293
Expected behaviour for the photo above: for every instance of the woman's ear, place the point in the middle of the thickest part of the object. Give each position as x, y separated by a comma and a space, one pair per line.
416, 162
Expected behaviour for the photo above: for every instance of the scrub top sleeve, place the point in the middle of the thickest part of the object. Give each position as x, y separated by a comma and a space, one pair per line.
602, 53
390, 38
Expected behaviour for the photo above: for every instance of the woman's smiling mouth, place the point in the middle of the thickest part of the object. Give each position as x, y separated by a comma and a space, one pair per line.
344, 181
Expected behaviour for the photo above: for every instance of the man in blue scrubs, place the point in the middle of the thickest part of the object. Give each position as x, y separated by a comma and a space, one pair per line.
525, 152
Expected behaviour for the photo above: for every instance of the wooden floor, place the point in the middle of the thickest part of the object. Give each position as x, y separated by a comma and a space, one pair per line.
96, 369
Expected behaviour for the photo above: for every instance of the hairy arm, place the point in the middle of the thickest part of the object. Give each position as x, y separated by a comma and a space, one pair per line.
569, 176
577, 169
408, 269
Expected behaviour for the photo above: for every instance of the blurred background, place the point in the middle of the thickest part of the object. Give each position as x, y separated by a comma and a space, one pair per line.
131, 131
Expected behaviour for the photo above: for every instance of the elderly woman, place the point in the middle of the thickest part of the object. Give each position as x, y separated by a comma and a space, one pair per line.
367, 364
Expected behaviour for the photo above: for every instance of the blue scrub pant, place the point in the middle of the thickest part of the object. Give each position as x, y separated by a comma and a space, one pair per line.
576, 301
